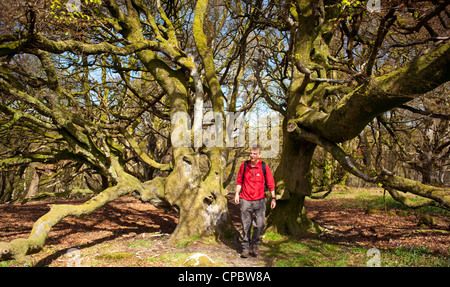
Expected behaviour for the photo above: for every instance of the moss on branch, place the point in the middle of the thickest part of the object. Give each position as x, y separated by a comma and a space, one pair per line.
134, 145
439, 195
207, 55
378, 95
59, 47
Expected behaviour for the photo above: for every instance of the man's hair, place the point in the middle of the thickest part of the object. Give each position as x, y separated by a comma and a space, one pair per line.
256, 147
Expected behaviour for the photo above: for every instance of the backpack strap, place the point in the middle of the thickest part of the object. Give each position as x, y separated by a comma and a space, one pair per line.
245, 166
243, 173
264, 172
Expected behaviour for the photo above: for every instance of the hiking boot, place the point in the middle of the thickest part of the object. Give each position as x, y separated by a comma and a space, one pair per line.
245, 254
255, 251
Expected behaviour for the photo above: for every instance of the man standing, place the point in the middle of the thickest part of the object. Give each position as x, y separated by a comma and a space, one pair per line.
252, 198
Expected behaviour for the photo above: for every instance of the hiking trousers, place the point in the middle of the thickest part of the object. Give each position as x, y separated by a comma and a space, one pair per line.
248, 209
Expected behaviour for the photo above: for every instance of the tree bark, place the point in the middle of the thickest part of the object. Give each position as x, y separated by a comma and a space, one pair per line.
201, 203
292, 186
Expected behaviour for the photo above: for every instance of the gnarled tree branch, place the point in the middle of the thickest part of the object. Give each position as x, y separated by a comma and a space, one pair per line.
358, 108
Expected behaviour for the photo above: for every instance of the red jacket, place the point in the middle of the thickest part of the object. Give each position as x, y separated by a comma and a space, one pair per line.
253, 185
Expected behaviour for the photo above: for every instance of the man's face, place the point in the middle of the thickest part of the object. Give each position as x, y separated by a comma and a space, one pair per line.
254, 155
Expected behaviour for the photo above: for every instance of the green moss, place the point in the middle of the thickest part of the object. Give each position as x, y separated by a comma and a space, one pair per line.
188, 241
376, 211
426, 220
427, 68
11, 47
293, 12
115, 256
402, 213
18, 249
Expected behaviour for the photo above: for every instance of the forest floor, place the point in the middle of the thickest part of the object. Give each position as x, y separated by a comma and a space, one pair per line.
127, 232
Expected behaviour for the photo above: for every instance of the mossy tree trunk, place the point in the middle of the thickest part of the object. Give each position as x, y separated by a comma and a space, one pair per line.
292, 186
292, 175
201, 203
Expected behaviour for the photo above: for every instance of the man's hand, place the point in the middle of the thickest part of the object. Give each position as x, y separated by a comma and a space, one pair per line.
273, 203
236, 198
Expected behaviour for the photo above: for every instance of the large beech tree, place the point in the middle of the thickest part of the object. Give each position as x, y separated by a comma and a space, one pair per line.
324, 65
342, 77
96, 126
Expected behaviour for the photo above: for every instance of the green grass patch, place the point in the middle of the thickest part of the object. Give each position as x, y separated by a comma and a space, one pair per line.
416, 256
189, 241
141, 243
291, 252
285, 251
